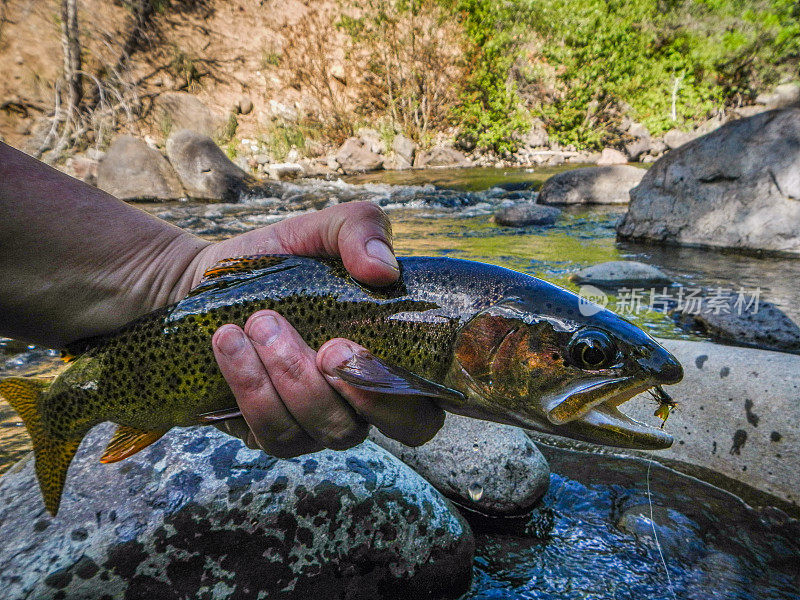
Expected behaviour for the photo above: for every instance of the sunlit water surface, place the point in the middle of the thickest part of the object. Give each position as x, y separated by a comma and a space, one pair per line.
592, 537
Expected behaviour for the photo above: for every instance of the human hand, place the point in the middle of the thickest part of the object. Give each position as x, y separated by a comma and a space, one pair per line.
291, 402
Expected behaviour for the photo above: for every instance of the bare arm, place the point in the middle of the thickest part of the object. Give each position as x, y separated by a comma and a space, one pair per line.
76, 262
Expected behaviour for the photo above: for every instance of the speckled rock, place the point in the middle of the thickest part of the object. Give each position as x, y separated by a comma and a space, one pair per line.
591, 185
204, 170
198, 515
725, 317
619, 273
738, 414
493, 468
526, 213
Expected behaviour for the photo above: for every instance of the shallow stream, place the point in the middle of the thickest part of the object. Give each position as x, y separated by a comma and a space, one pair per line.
593, 535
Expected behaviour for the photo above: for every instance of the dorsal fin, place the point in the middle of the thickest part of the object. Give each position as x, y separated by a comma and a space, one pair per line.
231, 271
127, 441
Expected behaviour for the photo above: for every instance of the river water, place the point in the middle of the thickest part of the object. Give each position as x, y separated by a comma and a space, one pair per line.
610, 528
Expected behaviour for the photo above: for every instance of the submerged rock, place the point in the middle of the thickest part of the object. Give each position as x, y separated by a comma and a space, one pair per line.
198, 515
487, 466
737, 187
204, 170
526, 213
726, 317
132, 170
618, 273
591, 185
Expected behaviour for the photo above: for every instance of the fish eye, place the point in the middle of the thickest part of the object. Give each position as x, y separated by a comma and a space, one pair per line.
591, 349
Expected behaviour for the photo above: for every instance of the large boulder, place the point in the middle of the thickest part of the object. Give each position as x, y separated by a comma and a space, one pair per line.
486, 466
132, 170
610, 156
736, 187
738, 414
179, 110
442, 156
355, 156
199, 515
204, 170
591, 185
405, 149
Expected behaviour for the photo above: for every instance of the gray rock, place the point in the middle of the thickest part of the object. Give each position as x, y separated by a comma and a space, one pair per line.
198, 515
609, 156
204, 170
675, 138
526, 213
372, 140
619, 273
487, 466
536, 136
591, 185
638, 147
737, 414
180, 110
132, 170
355, 157
726, 317
736, 187
783, 95
404, 148
281, 171
441, 156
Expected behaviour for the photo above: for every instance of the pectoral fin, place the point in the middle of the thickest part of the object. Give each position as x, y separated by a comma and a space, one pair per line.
219, 415
371, 374
127, 441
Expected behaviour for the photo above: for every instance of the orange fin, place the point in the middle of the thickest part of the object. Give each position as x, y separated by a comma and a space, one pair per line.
53, 455
127, 441
231, 271
67, 356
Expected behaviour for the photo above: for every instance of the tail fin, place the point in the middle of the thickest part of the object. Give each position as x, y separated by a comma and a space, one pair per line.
52, 455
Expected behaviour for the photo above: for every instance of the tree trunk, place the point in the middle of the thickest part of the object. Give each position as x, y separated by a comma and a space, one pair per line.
70, 40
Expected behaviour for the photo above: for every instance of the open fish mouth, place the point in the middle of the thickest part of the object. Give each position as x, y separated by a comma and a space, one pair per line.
591, 413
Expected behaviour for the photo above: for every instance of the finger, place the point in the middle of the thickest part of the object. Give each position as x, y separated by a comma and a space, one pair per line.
305, 393
273, 427
412, 420
359, 232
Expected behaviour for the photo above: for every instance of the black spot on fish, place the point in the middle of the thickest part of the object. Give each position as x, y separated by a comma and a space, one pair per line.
196, 445
714, 448
752, 418
739, 439
700, 360
310, 466
79, 534
724, 372
41, 525
125, 558
775, 436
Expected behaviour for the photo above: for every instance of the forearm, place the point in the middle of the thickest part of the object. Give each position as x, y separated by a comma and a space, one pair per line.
77, 262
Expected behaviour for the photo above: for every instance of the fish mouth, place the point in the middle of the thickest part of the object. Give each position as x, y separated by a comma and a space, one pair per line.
590, 412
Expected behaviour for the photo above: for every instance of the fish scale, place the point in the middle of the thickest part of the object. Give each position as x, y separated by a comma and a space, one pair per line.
480, 340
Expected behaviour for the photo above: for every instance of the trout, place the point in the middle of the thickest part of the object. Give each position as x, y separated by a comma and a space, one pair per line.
479, 340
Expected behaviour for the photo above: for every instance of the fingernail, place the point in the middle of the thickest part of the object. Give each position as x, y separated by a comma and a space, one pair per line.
335, 356
230, 341
380, 250
263, 330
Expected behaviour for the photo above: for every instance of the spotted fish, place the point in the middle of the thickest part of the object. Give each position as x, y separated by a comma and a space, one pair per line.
480, 340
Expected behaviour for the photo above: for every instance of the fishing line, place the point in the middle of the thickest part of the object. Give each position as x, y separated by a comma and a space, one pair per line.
655, 535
